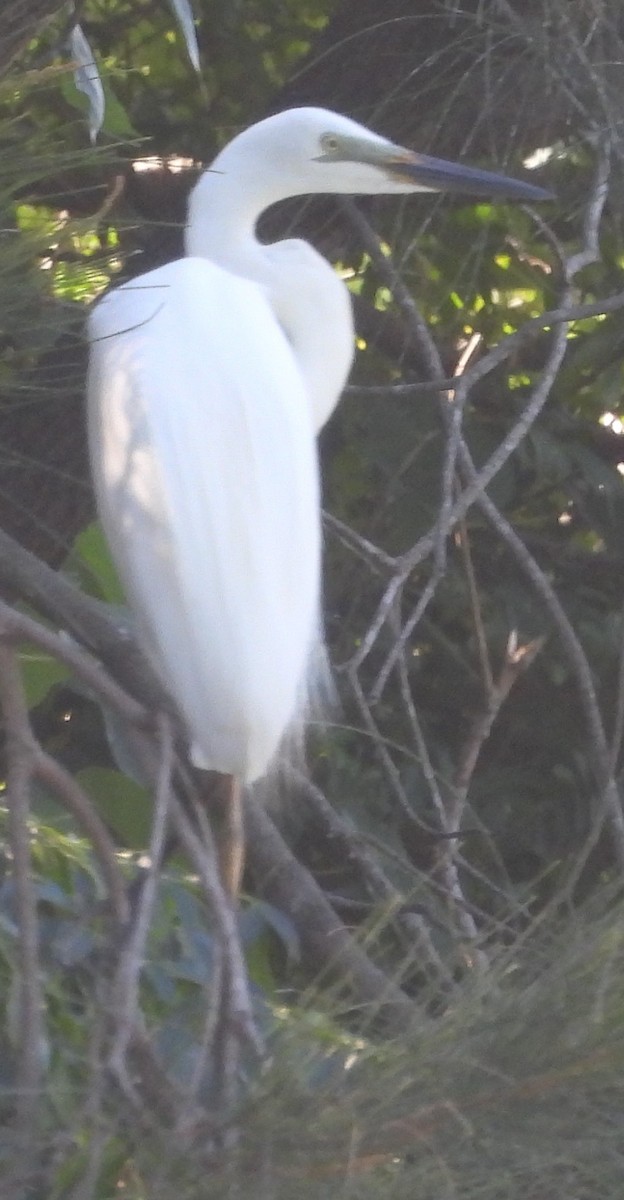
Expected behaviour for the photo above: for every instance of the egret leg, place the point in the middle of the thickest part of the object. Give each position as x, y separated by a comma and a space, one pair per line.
225, 809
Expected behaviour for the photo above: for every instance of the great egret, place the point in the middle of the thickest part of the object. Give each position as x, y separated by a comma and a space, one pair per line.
209, 379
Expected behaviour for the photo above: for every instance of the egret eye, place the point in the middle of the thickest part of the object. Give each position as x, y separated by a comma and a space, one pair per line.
330, 143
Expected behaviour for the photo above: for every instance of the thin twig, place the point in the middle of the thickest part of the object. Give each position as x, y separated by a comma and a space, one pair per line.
618, 720
590, 248
475, 482
516, 660
426, 596
360, 545
381, 747
29, 1031
236, 1025
513, 342
475, 607
474, 490
207, 1041
125, 987
610, 803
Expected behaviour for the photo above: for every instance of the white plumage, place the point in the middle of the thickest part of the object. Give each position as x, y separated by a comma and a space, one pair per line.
209, 379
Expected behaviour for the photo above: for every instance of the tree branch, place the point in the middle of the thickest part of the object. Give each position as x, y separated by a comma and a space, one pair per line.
29, 1030
327, 945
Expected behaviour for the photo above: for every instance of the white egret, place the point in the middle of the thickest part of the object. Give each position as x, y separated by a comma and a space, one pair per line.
209, 379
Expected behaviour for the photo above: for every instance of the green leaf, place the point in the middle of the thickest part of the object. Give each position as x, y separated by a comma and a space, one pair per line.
261, 915
122, 804
40, 673
91, 558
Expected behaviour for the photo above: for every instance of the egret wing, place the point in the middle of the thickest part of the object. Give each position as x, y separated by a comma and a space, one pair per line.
205, 467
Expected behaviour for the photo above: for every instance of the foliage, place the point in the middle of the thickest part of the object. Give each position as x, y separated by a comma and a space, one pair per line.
473, 832
515, 1090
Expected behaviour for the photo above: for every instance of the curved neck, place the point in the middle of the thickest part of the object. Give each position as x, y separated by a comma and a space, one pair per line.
220, 225
224, 208
307, 298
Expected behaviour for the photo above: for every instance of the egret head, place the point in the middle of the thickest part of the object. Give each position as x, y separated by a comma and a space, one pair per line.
311, 150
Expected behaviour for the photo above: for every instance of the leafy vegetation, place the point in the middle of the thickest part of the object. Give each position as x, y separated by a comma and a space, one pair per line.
431, 932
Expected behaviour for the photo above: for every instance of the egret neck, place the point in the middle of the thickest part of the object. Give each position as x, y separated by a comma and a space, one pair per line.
307, 297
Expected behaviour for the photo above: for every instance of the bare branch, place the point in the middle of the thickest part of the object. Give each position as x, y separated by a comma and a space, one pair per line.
30, 1032
87, 620
517, 659
617, 735
125, 986
590, 248
475, 604
358, 544
236, 1024
17, 627
327, 944
383, 891
610, 804
474, 485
